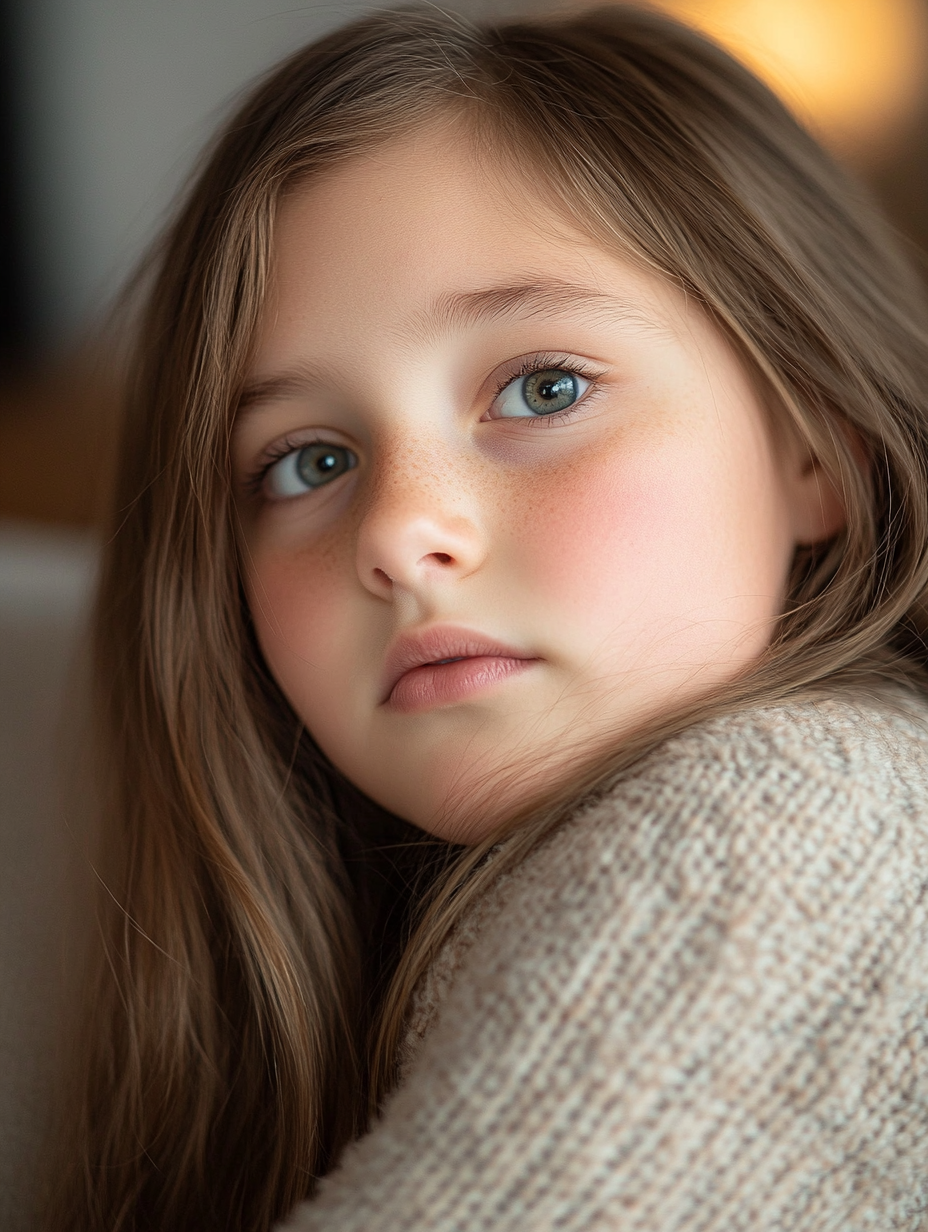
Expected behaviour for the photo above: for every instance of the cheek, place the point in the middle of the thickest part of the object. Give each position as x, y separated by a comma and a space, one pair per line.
651, 539
298, 605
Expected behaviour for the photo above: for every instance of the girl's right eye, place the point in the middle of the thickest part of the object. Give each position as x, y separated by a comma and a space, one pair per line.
304, 470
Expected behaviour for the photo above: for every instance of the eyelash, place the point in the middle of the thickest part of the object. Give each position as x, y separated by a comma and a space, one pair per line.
564, 363
254, 482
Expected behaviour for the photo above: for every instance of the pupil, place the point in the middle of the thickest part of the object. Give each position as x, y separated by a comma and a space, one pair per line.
550, 391
318, 464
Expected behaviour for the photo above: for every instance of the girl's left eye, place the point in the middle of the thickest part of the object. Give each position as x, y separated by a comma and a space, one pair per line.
538, 394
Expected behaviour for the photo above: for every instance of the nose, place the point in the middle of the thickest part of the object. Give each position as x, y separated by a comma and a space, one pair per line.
418, 530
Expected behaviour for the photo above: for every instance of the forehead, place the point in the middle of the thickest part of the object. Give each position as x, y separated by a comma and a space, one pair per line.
426, 232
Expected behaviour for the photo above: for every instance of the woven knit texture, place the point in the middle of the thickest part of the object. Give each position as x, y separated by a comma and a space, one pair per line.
701, 1004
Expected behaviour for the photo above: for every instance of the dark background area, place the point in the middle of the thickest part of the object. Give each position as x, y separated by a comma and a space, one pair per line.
17, 318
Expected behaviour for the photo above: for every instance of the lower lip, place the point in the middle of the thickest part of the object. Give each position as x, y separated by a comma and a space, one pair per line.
443, 684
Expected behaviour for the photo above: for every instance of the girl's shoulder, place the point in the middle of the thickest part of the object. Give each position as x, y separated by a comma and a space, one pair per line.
733, 823
773, 802
788, 757
763, 775
704, 992
876, 741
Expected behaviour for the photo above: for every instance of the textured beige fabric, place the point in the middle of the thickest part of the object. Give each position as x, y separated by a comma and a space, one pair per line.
702, 1004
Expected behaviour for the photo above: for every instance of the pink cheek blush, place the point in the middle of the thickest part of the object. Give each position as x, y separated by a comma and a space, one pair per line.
594, 534
295, 603
648, 553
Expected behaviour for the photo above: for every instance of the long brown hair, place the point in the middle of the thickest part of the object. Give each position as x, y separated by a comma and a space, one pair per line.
247, 888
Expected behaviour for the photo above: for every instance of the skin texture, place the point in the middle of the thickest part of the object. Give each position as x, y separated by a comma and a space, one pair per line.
636, 547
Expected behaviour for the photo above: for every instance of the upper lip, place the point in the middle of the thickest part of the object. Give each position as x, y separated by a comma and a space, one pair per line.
420, 647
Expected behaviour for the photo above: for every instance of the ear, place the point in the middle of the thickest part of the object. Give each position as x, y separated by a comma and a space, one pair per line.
817, 507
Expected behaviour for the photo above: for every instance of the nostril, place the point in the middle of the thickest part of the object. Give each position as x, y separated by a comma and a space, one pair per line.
442, 557
383, 577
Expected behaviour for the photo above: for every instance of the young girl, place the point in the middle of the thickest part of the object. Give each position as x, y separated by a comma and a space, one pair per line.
512, 663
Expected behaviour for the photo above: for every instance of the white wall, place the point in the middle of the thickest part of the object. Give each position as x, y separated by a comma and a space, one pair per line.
120, 95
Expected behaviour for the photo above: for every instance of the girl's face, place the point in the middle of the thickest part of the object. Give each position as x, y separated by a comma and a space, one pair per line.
505, 496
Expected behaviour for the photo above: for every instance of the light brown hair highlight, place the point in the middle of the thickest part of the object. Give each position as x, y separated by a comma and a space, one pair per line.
227, 1057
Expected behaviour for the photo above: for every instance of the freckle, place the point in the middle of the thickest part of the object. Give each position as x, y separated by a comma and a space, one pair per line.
553, 488
325, 554
438, 478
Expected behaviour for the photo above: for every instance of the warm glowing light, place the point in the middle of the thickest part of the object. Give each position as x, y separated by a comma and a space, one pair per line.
853, 68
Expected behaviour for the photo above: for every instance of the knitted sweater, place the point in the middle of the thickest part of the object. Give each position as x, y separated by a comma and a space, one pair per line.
701, 1004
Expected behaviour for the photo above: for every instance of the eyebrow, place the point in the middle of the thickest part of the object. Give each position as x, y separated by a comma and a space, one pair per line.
525, 299
290, 384
451, 311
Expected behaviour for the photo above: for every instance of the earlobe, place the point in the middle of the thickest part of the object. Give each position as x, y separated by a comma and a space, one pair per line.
819, 509
820, 495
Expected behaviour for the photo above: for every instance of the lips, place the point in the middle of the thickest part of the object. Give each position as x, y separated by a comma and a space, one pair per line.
443, 664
